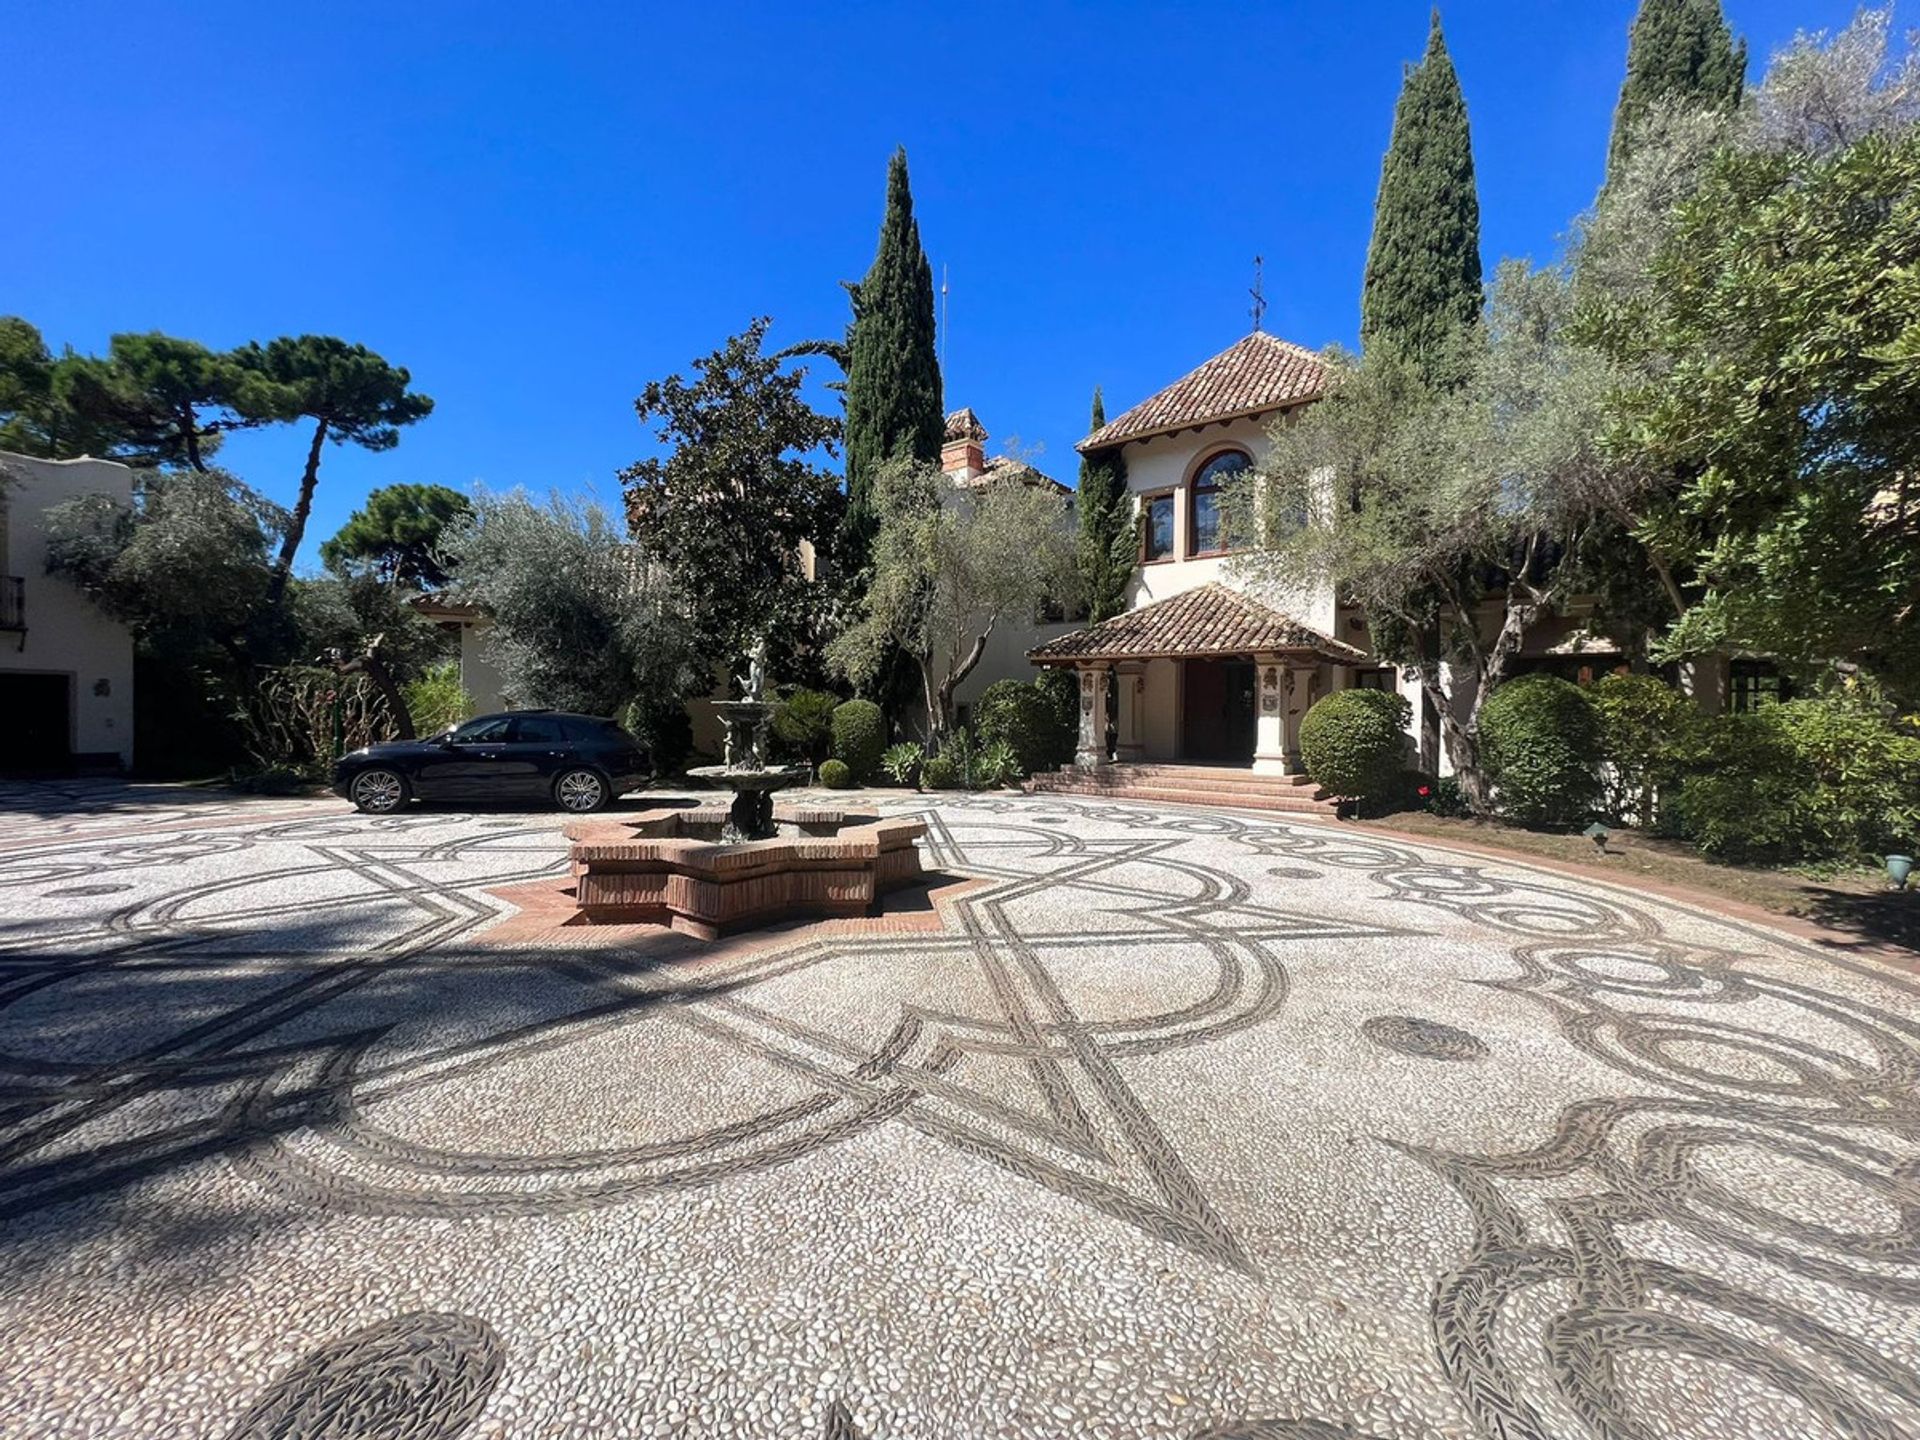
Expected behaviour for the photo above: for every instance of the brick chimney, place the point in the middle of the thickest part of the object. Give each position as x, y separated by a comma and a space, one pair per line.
964, 454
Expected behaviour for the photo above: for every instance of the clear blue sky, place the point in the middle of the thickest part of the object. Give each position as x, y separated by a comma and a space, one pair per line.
539, 208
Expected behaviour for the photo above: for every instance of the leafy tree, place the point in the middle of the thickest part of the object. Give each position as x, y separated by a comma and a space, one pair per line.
1107, 545
34, 420
185, 566
156, 400
1680, 56
1423, 266
1769, 355
347, 391
396, 536
893, 397
734, 506
948, 566
582, 620
1456, 511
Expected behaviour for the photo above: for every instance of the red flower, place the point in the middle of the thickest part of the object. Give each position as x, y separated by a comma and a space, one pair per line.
1424, 792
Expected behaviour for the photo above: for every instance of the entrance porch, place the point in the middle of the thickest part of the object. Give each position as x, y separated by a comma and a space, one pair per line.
1209, 677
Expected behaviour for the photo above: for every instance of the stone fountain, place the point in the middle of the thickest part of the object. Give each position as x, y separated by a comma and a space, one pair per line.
708, 871
746, 772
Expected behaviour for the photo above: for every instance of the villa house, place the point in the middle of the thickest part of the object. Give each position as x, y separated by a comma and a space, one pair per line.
1210, 682
66, 667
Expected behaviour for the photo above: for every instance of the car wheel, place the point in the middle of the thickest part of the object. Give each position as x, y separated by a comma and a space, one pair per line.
378, 792
580, 792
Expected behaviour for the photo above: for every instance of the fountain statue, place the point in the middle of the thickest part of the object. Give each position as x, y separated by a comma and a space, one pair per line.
746, 771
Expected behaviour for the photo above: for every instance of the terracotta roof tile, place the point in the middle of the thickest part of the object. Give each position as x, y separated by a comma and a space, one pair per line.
1260, 373
963, 424
1211, 620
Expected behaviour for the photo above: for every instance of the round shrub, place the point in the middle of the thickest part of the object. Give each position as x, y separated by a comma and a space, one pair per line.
938, 772
859, 737
1540, 746
835, 775
1353, 742
804, 723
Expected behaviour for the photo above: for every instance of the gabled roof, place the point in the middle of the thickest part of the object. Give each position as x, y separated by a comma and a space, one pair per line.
1258, 374
1213, 619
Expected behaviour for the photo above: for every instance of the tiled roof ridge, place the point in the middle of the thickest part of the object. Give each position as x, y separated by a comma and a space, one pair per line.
1258, 372
1210, 619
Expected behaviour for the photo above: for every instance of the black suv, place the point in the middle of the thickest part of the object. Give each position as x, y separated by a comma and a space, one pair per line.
579, 762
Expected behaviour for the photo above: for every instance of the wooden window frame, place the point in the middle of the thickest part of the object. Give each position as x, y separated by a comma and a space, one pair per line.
1196, 488
1147, 501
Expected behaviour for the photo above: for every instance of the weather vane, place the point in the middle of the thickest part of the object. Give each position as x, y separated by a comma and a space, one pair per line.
1259, 308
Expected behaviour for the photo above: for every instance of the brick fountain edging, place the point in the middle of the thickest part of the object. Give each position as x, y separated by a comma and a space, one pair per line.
651, 869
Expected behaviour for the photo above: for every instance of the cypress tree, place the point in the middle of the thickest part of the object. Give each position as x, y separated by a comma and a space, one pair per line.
1107, 548
1423, 267
1679, 52
893, 366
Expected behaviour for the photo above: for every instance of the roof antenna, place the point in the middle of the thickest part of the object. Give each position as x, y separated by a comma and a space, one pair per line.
1259, 308
943, 319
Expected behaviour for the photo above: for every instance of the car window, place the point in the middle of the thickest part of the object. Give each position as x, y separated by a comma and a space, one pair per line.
536, 730
487, 727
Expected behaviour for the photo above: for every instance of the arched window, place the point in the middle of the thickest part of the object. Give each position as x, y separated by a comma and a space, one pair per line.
1204, 498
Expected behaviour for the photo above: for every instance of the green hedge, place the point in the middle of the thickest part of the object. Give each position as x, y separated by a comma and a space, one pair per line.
1030, 720
1642, 720
1831, 778
835, 775
1540, 746
1353, 742
859, 737
938, 772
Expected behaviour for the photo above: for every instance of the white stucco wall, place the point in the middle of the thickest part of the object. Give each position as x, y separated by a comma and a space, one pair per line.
66, 634
1167, 462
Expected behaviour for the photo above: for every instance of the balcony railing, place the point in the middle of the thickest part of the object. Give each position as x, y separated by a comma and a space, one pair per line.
13, 603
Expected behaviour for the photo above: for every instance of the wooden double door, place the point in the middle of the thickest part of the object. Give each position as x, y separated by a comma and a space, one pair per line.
1217, 714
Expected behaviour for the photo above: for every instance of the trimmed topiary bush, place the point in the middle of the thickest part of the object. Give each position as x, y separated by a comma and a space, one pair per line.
804, 724
1540, 746
859, 737
938, 772
1353, 742
835, 775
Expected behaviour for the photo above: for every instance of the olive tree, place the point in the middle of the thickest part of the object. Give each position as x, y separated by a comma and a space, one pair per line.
950, 564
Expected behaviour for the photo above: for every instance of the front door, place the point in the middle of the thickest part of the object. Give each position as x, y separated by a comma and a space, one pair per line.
1217, 712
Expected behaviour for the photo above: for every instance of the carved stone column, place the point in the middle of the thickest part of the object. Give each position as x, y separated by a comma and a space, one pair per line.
1270, 717
1091, 753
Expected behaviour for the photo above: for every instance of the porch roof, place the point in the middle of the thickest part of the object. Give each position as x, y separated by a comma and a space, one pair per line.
1210, 620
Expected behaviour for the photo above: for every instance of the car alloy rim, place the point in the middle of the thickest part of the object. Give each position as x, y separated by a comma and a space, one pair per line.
580, 791
378, 790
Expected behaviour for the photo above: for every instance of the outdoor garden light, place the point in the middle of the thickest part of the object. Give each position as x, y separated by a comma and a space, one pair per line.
1598, 834
1899, 867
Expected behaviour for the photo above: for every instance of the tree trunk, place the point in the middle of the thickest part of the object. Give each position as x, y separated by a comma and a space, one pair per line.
190, 431
374, 666
297, 525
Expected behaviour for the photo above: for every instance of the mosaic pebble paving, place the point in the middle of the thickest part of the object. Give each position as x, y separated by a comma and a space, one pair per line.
1182, 1124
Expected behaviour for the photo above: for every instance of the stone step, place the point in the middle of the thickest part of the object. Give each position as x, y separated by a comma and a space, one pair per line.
1214, 778
1295, 802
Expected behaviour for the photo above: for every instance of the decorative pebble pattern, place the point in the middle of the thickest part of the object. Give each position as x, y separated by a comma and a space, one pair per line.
1423, 1039
1137, 1138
